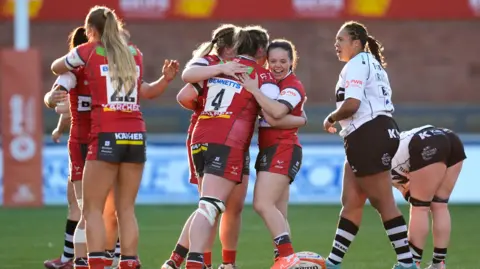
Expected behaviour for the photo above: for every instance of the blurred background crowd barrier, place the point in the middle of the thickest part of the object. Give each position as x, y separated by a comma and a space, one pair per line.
432, 48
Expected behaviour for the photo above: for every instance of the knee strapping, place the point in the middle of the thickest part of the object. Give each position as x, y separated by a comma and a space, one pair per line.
415, 202
80, 236
437, 199
213, 208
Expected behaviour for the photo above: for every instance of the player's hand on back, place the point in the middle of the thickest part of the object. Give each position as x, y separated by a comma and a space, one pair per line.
250, 84
57, 96
233, 69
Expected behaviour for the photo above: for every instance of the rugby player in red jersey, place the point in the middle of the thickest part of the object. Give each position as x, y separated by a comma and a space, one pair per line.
116, 152
224, 131
216, 51
280, 154
77, 145
79, 109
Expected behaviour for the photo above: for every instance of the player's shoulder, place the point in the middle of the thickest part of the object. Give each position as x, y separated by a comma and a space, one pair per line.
212, 59
86, 47
261, 69
292, 81
359, 61
206, 60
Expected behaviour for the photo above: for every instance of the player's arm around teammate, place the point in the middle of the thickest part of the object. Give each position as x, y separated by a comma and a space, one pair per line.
371, 138
287, 122
425, 169
147, 91
191, 96
197, 71
54, 96
187, 97
224, 129
116, 154
75, 229
280, 156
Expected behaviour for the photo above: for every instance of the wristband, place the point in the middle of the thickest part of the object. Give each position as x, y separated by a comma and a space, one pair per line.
330, 119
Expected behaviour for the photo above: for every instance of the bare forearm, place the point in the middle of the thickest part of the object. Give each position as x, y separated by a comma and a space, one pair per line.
63, 122
346, 110
287, 122
196, 74
154, 89
272, 107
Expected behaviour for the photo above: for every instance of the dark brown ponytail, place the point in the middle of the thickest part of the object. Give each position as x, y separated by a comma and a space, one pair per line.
358, 31
376, 49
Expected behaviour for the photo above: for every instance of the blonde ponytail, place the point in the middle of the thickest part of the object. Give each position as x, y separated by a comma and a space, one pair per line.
222, 37
121, 64
203, 50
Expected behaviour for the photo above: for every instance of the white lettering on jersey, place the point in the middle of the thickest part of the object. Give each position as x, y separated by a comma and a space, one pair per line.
364, 79
290, 95
73, 60
393, 133
67, 80
128, 136
267, 76
401, 160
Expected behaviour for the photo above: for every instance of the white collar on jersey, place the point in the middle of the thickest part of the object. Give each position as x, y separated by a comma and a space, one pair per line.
288, 74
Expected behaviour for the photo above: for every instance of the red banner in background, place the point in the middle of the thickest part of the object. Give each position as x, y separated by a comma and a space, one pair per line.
22, 128
230, 10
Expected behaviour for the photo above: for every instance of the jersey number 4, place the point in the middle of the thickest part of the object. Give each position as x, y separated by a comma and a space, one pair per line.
219, 98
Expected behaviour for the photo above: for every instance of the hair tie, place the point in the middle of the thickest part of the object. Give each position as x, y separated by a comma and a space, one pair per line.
215, 40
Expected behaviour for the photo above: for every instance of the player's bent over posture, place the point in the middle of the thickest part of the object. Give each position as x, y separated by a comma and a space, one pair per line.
425, 169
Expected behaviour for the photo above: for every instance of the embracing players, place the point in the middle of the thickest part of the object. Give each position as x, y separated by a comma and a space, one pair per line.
116, 150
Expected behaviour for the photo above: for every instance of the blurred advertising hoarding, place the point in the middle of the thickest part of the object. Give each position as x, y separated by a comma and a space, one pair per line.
230, 10
165, 178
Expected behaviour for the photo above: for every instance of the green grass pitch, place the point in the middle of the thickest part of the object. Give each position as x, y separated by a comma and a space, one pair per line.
29, 236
